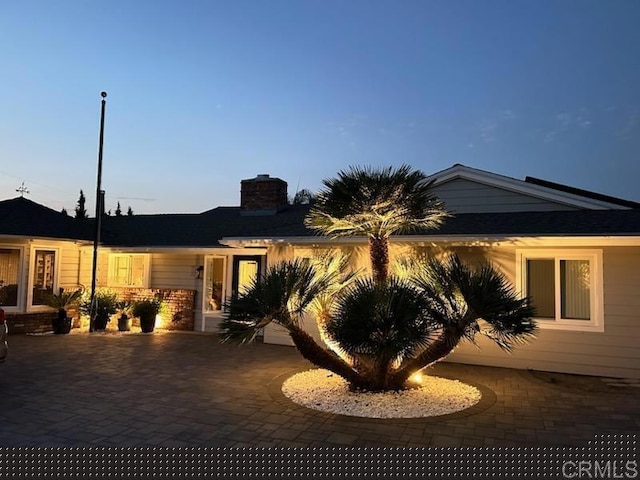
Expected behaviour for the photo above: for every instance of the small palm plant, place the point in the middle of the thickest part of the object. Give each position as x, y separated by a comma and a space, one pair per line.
103, 306
147, 310
61, 301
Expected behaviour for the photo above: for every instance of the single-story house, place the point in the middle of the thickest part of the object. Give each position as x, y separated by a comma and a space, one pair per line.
577, 253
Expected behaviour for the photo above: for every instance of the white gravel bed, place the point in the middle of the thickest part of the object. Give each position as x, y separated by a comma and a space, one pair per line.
323, 390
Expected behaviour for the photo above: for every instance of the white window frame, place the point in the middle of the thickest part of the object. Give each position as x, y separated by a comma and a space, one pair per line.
225, 284
21, 283
147, 270
596, 287
32, 271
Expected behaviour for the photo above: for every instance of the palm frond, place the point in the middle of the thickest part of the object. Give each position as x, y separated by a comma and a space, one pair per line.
281, 295
383, 321
461, 296
382, 202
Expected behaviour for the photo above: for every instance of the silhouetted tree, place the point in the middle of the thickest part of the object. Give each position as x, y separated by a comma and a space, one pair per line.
118, 210
130, 212
81, 212
303, 197
64, 211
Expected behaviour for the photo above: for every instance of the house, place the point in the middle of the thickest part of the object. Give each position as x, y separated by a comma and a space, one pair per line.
577, 253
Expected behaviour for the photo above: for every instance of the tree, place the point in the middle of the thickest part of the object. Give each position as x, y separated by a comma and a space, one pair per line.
382, 333
376, 203
383, 329
81, 212
129, 212
303, 197
118, 210
64, 211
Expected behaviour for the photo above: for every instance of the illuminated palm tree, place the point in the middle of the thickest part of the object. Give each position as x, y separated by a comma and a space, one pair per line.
376, 203
387, 331
380, 330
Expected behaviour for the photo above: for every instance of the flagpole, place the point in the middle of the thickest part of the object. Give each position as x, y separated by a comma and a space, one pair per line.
98, 225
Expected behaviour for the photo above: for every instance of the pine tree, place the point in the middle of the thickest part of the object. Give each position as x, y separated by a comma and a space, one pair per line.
130, 212
64, 211
81, 212
118, 210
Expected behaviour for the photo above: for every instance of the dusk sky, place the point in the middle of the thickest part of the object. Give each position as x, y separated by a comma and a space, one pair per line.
203, 94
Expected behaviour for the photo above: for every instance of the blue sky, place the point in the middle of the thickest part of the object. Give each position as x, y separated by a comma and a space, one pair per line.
205, 93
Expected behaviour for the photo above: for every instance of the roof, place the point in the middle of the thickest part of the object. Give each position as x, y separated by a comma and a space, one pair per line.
527, 224
200, 230
23, 217
214, 228
578, 223
553, 192
581, 192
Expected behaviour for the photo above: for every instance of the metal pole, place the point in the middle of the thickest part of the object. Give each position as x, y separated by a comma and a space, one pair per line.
96, 238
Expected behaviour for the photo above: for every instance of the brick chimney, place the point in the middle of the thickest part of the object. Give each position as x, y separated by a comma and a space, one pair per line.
262, 195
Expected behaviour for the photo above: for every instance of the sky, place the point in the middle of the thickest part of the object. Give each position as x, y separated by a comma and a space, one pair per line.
203, 94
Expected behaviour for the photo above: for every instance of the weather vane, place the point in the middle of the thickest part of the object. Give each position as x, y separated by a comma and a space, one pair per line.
22, 190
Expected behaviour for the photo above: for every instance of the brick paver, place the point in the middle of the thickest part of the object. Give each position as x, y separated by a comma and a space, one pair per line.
180, 389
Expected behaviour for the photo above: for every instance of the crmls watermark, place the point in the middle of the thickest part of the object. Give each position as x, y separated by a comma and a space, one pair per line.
600, 469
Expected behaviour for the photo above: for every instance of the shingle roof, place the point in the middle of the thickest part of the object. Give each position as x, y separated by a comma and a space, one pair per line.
201, 230
570, 223
21, 216
584, 193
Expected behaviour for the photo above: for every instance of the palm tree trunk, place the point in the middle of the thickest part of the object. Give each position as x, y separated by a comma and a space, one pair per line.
379, 254
320, 357
439, 349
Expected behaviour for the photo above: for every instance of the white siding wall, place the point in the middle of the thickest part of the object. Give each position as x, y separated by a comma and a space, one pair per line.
615, 352
465, 196
175, 271
69, 266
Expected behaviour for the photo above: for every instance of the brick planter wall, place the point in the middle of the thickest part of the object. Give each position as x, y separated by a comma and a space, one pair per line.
30, 322
39, 322
179, 305
178, 313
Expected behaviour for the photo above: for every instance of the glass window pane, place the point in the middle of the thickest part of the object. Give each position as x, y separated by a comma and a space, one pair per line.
137, 271
247, 272
575, 282
43, 275
213, 284
120, 273
9, 272
541, 286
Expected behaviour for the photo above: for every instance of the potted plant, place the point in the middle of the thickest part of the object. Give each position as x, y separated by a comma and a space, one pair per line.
124, 319
146, 310
61, 324
105, 306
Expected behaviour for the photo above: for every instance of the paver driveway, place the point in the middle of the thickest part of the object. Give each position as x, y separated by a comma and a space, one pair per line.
181, 389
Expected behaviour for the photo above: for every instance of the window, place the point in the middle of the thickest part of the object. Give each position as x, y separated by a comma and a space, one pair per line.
214, 291
44, 275
128, 270
9, 276
565, 287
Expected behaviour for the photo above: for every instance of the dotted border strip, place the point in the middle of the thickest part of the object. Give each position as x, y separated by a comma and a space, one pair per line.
608, 456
